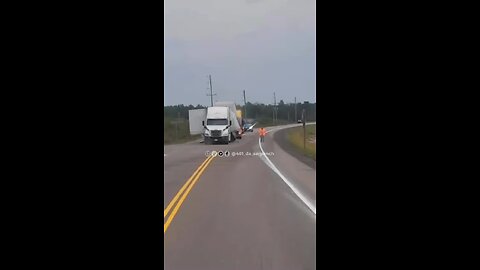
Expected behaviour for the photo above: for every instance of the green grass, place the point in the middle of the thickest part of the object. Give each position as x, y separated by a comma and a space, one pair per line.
177, 132
295, 137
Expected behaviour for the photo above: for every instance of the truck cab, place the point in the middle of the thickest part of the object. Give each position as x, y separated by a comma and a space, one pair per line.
217, 125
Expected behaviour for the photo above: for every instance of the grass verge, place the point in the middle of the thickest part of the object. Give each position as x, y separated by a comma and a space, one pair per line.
177, 131
295, 137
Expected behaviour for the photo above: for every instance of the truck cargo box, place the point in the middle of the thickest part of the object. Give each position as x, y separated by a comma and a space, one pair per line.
195, 118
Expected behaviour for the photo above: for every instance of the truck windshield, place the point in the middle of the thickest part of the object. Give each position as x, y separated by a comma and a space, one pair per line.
217, 122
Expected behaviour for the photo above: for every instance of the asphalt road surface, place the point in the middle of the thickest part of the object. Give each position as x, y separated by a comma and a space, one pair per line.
238, 212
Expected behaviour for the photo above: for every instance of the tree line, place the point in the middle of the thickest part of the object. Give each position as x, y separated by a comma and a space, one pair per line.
263, 113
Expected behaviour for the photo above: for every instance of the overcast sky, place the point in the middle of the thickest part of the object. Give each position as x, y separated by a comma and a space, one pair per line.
262, 46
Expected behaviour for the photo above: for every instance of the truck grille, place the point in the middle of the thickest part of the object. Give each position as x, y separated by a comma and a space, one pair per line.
216, 133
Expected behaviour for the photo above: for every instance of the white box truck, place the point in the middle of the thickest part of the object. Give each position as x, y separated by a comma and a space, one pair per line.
216, 124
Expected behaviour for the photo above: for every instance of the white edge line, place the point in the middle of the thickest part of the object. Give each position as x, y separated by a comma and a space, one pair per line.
294, 189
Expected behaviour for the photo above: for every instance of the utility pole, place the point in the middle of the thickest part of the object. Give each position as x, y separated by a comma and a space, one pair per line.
245, 102
304, 117
273, 115
295, 109
211, 90
274, 108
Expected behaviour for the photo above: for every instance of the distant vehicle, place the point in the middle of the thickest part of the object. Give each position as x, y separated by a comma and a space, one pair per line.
299, 121
217, 124
248, 127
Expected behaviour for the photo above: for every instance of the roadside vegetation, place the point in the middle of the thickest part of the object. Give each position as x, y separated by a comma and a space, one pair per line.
177, 131
176, 128
262, 113
268, 122
295, 137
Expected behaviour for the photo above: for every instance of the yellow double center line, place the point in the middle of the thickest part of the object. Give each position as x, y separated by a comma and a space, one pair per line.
188, 186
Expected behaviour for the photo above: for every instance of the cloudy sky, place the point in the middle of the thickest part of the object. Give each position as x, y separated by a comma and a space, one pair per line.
261, 46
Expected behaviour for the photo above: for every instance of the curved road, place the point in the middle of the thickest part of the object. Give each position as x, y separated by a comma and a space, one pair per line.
238, 212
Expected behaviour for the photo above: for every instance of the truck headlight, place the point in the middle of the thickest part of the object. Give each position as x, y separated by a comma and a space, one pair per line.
225, 132
207, 132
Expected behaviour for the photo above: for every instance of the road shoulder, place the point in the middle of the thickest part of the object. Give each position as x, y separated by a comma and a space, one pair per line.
281, 138
302, 175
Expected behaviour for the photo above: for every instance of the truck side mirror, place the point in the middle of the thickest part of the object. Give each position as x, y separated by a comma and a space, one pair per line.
230, 122
203, 123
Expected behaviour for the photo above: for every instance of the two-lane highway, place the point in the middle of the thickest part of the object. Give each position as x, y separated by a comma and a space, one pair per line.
237, 212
